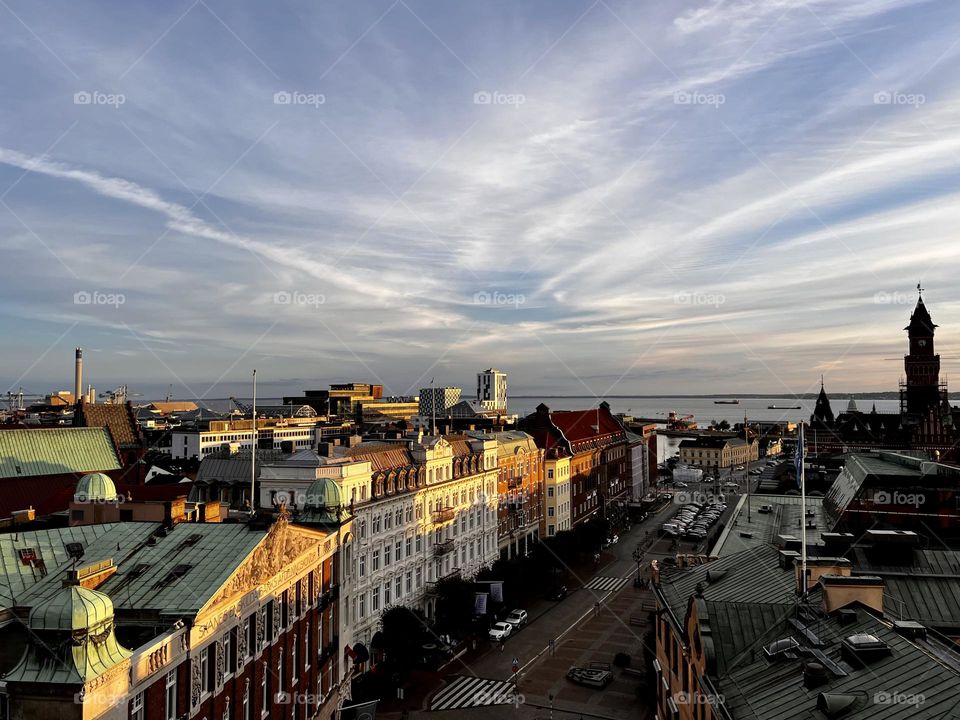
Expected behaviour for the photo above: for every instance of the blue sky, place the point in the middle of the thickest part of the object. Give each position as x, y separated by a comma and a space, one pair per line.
598, 197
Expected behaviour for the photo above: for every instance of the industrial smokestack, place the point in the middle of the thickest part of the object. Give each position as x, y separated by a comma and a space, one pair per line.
78, 376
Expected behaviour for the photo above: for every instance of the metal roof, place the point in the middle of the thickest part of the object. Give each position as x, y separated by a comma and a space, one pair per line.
55, 451
754, 529
918, 680
50, 547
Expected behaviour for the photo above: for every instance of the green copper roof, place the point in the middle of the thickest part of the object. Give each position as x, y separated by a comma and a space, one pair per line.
78, 643
95, 486
73, 608
55, 451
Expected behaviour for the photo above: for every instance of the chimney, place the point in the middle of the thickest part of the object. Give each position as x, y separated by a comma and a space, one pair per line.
78, 376
841, 590
817, 567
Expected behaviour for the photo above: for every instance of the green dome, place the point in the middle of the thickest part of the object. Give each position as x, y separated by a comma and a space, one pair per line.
322, 493
95, 486
73, 609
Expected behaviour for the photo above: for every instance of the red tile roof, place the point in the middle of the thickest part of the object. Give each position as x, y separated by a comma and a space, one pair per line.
118, 419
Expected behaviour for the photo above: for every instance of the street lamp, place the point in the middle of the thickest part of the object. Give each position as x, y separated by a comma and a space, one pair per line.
550, 697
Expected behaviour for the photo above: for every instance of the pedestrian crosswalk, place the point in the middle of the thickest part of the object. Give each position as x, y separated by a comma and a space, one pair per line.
603, 584
466, 692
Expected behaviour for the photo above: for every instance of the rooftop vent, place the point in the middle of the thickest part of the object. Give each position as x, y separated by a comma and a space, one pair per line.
863, 649
715, 576
910, 629
846, 616
781, 649
788, 559
190, 541
836, 705
815, 675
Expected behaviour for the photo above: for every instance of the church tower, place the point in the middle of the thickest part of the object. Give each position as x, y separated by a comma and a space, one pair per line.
921, 390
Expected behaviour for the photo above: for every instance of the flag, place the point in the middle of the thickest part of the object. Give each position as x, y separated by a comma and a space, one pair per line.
798, 457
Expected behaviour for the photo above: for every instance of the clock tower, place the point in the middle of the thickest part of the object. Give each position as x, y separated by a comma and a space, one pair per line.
922, 366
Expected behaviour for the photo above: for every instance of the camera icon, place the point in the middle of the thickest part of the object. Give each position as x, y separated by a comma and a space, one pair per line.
883, 97
482, 298
282, 298
282, 98
682, 97
482, 97
82, 297
82, 98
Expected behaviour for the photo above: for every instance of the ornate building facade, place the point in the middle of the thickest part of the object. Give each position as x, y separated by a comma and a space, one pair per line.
925, 421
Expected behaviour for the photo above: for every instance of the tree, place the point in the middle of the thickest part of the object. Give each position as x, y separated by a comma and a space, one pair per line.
402, 634
723, 425
455, 603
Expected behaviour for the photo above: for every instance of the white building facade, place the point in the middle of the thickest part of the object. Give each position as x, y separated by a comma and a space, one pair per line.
492, 389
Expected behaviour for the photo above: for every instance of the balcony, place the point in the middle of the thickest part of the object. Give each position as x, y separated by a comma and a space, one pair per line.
444, 515
442, 548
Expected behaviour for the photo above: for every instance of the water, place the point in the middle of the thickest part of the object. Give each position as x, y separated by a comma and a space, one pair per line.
703, 410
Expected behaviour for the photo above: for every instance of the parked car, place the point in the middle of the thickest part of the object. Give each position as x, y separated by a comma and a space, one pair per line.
558, 593
500, 631
590, 678
516, 619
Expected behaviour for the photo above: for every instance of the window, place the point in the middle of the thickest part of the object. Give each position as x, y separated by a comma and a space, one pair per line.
280, 680
264, 691
171, 695
294, 671
550, 492
409, 547
419, 542
136, 707
271, 609
363, 605
419, 577
226, 709
386, 554
549, 529
205, 670
398, 587
363, 564
306, 646
550, 511
409, 581
230, 643
375, 599
251, 634
398, 551
284, 610
246, 701
376, 559
386, 593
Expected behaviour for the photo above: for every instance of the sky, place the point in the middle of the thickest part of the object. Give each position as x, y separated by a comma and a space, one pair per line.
596, 197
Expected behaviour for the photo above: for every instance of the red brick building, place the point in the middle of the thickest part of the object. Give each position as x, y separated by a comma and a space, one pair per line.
597, 445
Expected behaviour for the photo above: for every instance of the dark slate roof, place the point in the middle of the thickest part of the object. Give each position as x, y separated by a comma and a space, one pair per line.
758, 689
750, 576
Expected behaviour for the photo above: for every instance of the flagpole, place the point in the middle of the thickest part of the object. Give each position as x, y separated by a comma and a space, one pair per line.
253, 449
803, 515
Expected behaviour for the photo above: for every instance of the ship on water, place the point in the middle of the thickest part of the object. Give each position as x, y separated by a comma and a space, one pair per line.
726, 402
784, 407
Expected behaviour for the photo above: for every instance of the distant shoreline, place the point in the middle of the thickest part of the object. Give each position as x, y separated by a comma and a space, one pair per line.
888, 395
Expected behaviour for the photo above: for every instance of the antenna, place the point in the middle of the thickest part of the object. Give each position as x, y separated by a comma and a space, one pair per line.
253, 448
433, 408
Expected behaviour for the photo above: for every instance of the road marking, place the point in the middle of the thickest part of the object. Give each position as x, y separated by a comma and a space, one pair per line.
466, 692
603, 583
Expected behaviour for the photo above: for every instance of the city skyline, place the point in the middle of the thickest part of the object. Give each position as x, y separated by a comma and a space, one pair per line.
599, 199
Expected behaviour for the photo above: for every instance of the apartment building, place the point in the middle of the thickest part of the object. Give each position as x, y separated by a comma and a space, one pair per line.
556, 498
236, 435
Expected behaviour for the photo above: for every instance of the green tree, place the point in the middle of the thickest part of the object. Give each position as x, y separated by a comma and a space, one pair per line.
402, 630
455, 603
